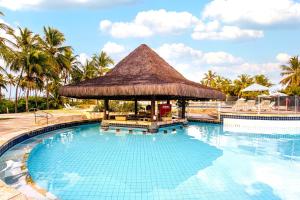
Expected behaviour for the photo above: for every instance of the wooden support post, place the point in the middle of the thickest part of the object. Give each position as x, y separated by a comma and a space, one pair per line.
106, 109
183, 102
152, 109
135, 107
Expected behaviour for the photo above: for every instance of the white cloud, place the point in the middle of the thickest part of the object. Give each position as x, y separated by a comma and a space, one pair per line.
214, 31
270, 69
148, 23
83, 58
194, 63
181, 52
283, 57
262, 12
42, 4
113, 48
6, 36
125, 30
219, 58
155, 22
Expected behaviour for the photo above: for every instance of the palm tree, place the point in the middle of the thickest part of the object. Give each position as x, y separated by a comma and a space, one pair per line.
262, 80
5, 50
33, 72
3, 84
75, 67
11, 81
4, 27
89, 70
209, 79
76, 74
242, 82
102, 63
56, 51
25, 43
218, 82
291, 72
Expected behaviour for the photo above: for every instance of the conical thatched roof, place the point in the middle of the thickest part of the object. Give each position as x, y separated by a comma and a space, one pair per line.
143, 74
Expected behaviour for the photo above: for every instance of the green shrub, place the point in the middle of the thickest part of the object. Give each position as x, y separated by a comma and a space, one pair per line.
33, 102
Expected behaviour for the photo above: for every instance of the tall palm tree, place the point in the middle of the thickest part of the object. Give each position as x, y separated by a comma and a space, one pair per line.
3, 84
219, 82
11, 81
242, 82
77, 74
4, 27
75, 67
25, 43
33, 72
209, 79
89, 70
291, 72
53, 45
262, 80
102, 62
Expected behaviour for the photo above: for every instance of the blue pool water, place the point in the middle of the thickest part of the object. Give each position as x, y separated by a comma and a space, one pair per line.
197, 162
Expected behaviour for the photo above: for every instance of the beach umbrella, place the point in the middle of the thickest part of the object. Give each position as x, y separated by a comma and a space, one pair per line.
255, 88
242, 99
263, 96
278, 95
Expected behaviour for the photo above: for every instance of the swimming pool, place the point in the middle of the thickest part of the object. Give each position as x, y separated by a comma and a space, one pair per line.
195, 162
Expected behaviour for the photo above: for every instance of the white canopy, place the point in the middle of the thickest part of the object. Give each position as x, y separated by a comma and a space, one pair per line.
278, 94
255, 88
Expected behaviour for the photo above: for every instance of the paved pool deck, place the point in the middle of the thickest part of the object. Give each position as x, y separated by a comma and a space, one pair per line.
12, 125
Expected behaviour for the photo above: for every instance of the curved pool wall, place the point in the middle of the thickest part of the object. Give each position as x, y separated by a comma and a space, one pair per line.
27, 135
284, 136
262, 123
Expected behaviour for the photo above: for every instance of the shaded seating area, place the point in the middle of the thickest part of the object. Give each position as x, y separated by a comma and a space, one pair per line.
142, 76
251, 105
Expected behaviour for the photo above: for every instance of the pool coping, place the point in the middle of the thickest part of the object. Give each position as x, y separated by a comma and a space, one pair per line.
8, 192
20, 136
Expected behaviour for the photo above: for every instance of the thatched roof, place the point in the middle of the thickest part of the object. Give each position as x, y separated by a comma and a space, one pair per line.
143, 74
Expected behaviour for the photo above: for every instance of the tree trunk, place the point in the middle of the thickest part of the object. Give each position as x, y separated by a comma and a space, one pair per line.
36, 106
17, 88
0, 94
26, 100
47, 95
16, 98
9, 92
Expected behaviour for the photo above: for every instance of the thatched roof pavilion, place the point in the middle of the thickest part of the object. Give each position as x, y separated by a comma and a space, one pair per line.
142, 75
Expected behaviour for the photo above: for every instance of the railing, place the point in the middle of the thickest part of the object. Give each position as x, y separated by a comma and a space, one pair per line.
263, 105
275, 105
41, 114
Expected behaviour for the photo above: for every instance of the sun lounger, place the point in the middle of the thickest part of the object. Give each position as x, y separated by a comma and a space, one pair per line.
250, 106
239, 105
68, 107
266, 105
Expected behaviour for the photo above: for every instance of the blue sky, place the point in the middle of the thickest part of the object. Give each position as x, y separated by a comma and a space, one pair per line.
230, 37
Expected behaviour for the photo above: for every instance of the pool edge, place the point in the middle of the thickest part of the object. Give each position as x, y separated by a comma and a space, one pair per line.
7, 192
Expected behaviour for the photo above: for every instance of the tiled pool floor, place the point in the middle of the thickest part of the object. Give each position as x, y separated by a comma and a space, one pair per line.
197, 162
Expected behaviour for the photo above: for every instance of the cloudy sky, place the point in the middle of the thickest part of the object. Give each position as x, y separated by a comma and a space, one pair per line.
228, 36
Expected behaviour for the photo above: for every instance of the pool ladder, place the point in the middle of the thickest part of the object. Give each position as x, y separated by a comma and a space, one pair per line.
41, 114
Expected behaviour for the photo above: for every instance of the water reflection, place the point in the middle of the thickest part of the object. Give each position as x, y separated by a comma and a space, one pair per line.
201, 161
258, 164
